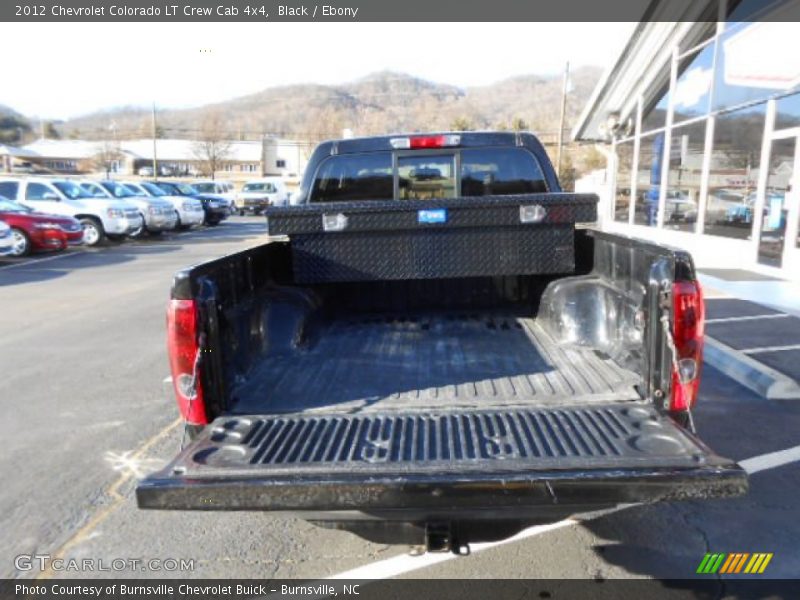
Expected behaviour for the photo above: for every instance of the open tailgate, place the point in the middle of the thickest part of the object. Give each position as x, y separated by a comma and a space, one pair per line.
471, 459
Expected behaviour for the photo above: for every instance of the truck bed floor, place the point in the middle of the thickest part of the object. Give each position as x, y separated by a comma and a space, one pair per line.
475, 360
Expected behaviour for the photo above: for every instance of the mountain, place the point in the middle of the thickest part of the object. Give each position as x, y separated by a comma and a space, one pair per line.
13, 126
382, 102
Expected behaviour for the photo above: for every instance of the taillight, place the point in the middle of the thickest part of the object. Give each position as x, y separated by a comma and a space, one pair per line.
183, 347
687, 332
425, 141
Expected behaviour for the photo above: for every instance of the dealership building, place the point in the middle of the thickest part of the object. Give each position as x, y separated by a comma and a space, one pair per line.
700, 120
235, 159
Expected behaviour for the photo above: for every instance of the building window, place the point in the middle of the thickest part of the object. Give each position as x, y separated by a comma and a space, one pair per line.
622, 196
779, 181
693, 86
733, 173
280, 163
654, 111
787, 112
648, 179
684, 176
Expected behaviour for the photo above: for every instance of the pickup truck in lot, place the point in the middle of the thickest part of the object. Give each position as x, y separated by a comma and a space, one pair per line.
440, 352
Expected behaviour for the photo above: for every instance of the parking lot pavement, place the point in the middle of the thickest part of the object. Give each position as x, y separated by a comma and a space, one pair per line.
82, 349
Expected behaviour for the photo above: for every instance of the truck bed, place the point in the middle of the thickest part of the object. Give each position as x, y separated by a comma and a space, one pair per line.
390, 362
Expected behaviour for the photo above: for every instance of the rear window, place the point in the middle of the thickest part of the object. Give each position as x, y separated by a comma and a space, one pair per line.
354, 177
426, 176
500, 172
483, 172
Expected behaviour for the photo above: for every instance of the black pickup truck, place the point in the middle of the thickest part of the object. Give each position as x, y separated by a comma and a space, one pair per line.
436, 349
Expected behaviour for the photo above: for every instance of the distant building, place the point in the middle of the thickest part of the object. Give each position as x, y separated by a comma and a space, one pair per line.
182, 157
702, 122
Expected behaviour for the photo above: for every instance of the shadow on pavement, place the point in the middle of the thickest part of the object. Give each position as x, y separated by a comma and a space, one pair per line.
42, 267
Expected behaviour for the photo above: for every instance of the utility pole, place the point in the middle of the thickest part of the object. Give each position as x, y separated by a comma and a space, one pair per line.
155, 160
561, 120
113, 154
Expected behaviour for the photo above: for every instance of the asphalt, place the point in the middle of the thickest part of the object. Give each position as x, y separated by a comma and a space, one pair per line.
82, 383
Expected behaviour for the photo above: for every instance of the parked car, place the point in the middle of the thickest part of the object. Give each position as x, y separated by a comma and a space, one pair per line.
189, 211
680, 208
215, 207
258, 194
6, 240
33, 231
99, 217
147, 171
223, 189
158, 215
440, 371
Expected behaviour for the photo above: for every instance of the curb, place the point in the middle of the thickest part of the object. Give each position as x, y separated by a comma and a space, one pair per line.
764, 381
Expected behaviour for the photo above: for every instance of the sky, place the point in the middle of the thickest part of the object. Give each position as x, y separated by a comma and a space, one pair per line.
60, 70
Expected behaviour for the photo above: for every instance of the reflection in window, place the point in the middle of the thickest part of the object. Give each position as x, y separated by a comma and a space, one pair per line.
787, 112
354, 177
422, 177
779, 181
622, 199
648, 179
693, 87
500, 171
755, 61
683, 179
734, 172
655, 115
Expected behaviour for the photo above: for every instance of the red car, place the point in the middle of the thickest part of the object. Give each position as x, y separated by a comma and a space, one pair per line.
38, 231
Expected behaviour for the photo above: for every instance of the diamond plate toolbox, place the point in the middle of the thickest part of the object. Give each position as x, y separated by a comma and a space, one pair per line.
428, 239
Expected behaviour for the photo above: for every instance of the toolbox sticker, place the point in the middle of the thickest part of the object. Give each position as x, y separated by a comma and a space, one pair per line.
438, 215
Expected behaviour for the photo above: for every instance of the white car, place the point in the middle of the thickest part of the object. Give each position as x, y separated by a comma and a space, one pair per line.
158, 214
6, 239
189, 210
99, 217
258, 194
224, 189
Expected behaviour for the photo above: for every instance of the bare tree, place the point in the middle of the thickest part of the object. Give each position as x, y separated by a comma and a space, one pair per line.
107, 154
212, 149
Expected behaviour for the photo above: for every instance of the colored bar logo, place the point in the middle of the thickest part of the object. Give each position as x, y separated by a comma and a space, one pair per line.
736, 562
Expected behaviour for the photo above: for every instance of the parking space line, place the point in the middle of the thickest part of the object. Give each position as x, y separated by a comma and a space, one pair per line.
35, 261
751, 318
771, 460
112, 492
405, 563
771, 349
398, 565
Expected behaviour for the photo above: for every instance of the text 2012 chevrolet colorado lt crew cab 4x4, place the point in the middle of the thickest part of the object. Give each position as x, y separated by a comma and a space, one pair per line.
437, 354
